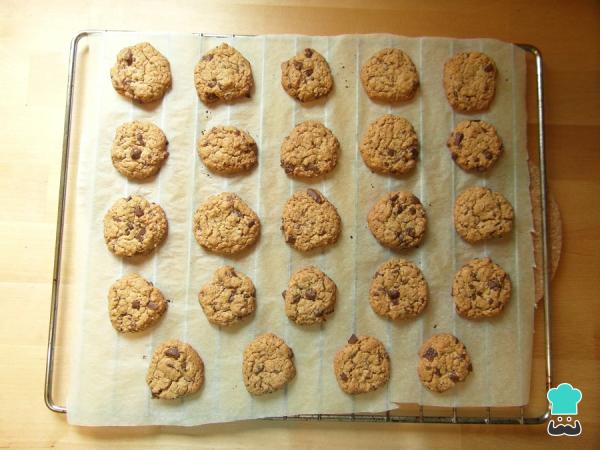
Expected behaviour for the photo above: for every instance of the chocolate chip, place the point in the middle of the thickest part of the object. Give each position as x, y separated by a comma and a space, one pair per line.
437, 372
488, 155
413, 151
211, 97
412, 210
470, 367
391, 152
291, 353
394, 197
129, 226
393, 293
353, 339
140, 139
128, 57
135, 304
207, 57
308, 52
153, 306
494, 285
290, 239
211, 83
314, 195
411, 232
489, 68
343, 376
296, 298
251, 224
298, 65
237, 132
140, 234
308, 72
458, 137
310, 294
173, 352
429, 354
454, 156
454, 377
138, 211
283, 294
135, 154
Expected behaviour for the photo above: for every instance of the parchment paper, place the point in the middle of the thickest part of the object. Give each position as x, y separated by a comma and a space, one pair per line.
108, 371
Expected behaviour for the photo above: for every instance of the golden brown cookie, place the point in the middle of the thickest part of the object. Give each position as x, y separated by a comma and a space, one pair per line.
223, 74
228, 298
226, 224
306, 76
227, 150
480, 213
475, 145
398, 290
310, 150
470, 81
310, 221
390, 76
310, 296
397, 220
362, 365
176, 370
443, 362
134, 226
481, 289
390, 145
141, 73
268, 365
134, 304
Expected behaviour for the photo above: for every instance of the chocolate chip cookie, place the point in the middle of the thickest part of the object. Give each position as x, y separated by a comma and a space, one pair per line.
397, 220
134, 226
443, 362
310, 296
475, 145
481, 289
310, 150
228, 298
139, 150
176, 370
306, 76
227, 150
268, 365
223, 74
362, 365
134, 304
480, 213
226, 224
141, 73
390, 76
310, 221
398, 290
470, 81
390, 145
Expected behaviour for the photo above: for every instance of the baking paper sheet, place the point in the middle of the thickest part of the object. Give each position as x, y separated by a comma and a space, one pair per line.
108, 371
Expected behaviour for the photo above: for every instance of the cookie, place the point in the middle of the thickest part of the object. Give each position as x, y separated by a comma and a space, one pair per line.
310, 221
134, 304
141, 73
139, 150
398, 290
390, 76
362, 365
310, 296
228, 298
480, 213
306, 76
475, 145
176, 370
470, 81
226, 224
310, 150
223, 74
443, 362
397, 220
227, 150
268, 365
390, 145
134, 226
481, 289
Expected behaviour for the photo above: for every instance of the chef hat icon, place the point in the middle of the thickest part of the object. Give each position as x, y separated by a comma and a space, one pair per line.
564, 399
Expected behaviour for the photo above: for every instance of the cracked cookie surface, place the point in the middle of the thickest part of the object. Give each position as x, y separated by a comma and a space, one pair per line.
310, 296
310, 150
475, 145
397, 220
227, 150
134, 304
362, 365
481, 288
141, 73
390, 76
139, 150
176, 370
470, 81
134, 226
443, 362
226, 224
480, 213
223, 74
398, 290
390, 145
268, 364
306, 76
310, 221
229, 297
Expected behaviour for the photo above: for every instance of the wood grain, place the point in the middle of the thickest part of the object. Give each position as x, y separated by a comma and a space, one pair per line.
34, 40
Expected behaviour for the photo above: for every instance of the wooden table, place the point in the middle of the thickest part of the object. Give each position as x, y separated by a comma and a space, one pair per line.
34, 40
